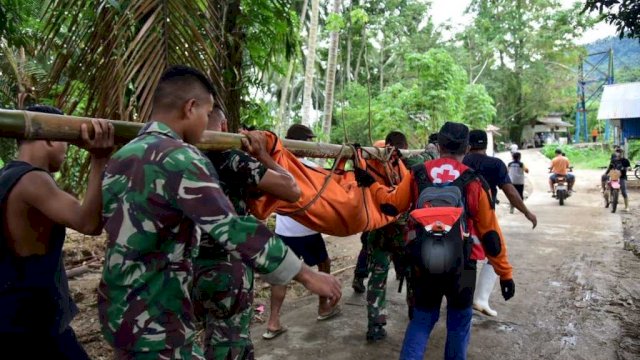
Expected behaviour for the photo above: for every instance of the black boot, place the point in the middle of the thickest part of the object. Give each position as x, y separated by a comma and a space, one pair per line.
376, 333
358, 285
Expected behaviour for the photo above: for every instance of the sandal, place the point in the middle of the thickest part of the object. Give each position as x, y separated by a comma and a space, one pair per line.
272, 334
335, 311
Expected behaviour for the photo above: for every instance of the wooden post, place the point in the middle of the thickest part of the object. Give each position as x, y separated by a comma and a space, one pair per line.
41, 126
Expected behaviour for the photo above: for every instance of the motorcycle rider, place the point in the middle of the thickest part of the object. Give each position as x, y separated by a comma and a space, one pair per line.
618, 162
560, 167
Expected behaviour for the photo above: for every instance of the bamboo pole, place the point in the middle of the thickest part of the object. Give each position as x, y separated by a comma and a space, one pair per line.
29, 125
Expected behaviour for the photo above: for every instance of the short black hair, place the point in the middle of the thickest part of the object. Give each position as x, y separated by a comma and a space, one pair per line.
47, 109
180, 83
558, 151
516, 156
396, 139
453, 138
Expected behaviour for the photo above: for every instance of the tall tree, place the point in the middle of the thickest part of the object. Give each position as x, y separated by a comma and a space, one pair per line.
520, 40
307, 102
334, 24
284, 93
624, 14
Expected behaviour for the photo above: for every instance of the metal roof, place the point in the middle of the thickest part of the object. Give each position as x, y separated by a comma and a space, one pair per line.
620, 101
554, 121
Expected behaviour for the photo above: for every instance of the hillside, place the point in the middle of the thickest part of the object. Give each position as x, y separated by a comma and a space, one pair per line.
626, 52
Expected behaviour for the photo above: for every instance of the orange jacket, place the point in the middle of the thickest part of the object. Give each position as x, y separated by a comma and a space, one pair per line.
482, 219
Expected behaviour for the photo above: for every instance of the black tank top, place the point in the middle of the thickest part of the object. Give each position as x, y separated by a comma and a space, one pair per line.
34, 291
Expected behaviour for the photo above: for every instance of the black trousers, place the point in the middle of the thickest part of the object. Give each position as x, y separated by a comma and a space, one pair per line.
36, 346
458, 288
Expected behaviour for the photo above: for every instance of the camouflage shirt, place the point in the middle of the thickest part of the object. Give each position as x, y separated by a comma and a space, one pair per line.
158, 192
239, 175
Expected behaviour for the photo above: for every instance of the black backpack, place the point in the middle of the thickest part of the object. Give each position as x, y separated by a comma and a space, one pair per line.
438, 241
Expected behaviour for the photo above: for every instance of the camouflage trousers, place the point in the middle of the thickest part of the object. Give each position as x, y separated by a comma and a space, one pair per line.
189, 352
223, 300
382, 244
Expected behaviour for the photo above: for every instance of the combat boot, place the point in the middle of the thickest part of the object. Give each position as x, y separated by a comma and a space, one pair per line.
358, 285
376, 333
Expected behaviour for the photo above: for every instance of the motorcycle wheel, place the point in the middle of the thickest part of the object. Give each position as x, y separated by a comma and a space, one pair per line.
561, 196
614, 200
636, 172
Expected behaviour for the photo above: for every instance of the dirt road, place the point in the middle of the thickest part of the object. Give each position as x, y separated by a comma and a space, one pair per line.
577, 292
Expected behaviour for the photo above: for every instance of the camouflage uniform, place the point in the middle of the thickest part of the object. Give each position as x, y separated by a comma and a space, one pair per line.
223, 285
158, 194
383, 244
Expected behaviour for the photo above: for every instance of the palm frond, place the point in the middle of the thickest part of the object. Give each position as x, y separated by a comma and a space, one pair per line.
114, 52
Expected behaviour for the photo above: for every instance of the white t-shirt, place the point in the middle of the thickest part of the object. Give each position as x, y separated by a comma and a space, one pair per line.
286, 226
514, 148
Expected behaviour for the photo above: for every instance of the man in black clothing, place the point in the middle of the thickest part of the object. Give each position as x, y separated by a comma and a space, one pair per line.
619, 162
36, 307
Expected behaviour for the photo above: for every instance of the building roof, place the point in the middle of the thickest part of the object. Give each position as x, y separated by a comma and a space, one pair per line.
620, 101
553, 120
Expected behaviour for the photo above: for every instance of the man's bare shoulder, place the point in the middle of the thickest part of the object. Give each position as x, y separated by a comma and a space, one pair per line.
34, 186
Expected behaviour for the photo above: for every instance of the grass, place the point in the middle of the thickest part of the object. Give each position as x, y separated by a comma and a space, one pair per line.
587, 158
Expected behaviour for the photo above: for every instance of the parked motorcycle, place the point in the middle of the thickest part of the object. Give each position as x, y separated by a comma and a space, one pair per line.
612, 192
636, 170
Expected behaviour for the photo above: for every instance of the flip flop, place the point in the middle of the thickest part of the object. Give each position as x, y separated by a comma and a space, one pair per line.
335, 311
269, 334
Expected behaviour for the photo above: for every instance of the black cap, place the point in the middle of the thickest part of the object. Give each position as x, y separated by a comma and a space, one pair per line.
478, 139
299, 132
454, 137
433, 138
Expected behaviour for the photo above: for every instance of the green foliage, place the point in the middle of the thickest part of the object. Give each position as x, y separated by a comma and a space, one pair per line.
478, 106
258, 114
359, 18
7, 150
623, 14
335, 22
581, 158
633, 152
432, 93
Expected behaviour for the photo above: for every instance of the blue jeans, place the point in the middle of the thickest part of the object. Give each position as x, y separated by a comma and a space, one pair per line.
417, 335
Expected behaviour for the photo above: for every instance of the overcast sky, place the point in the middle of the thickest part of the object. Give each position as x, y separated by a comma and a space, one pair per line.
453, 11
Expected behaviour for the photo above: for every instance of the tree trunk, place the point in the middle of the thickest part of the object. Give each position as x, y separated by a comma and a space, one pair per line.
331, 74
233, 51
363, 43
347, 68
382, 63
307, 102
282, 123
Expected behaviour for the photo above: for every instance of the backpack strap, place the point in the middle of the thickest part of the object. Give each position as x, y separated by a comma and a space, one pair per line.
420, 176
467, 177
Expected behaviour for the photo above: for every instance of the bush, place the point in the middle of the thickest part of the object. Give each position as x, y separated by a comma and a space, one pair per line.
581, 158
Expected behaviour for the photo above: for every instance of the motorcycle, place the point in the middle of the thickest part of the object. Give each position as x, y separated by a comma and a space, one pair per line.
636, 170
612, 191
561, 189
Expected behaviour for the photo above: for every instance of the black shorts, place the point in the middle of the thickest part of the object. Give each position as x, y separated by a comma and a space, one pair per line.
310, 248
520, 189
